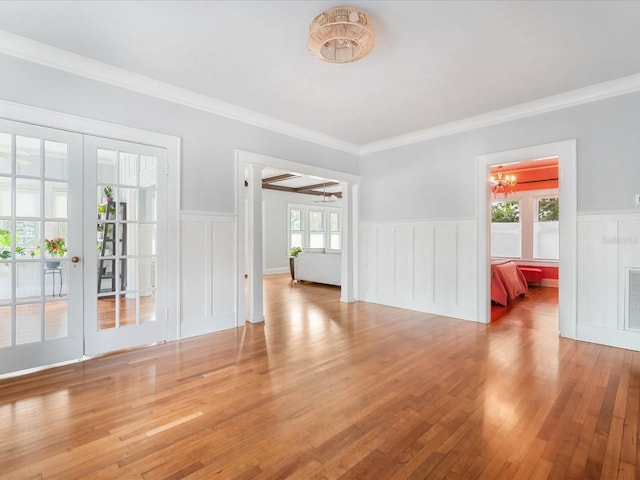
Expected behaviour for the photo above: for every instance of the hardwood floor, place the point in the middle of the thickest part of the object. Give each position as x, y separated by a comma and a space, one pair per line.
30, 316
331, 390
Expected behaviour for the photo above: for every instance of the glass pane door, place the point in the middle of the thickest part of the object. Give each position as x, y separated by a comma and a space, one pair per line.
124, 189
40, 289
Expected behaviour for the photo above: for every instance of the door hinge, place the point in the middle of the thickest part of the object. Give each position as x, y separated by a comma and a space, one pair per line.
166, 169
166, 313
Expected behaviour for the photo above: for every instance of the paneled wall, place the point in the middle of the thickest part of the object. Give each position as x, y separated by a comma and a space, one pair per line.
428, 266
208, 272
608, 245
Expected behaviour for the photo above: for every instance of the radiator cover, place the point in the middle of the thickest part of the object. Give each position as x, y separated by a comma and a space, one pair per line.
633, 299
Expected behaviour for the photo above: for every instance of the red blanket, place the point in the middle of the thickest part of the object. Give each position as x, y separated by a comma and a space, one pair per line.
507, 282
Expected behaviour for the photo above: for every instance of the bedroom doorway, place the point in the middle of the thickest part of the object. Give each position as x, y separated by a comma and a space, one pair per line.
524, 242
565, 152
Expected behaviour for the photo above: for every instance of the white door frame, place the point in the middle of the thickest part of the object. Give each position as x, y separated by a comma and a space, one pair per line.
567, 174
350, 222
96, 340
172, 144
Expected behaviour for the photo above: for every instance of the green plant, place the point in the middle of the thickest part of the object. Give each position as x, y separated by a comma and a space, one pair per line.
505, 212
294, 251
108, 192
56, 247
5, 244
548, 210
102, 209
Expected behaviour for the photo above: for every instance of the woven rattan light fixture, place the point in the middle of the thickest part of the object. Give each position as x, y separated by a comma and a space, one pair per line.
340, 35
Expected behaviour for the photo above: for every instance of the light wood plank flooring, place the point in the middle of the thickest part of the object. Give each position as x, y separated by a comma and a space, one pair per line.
325, 390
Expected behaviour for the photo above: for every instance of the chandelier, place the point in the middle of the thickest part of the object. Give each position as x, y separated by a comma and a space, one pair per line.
324, 198
340, 35
502, 183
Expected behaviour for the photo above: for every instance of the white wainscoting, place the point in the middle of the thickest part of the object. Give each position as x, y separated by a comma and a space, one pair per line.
608, 244
428, 266
208, 243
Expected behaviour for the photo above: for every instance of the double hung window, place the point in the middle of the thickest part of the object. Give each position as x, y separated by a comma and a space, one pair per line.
506, 231
546, 229
526, 228
313, 226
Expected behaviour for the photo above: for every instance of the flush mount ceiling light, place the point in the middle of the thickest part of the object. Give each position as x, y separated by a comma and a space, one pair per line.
340, 35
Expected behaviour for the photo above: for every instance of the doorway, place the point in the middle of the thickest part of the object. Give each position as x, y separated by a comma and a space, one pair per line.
254, 163
81, 272
565, 151
524, 238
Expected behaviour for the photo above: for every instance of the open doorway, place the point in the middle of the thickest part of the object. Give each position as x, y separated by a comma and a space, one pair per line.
524, 242
250, 166
565, 151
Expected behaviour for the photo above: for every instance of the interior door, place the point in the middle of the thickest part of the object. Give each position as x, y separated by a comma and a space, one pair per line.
40, 231
124, 245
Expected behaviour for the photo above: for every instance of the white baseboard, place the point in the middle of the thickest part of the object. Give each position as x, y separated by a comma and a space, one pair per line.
606, 336
451, 311
275, 270
192, 327
549, 282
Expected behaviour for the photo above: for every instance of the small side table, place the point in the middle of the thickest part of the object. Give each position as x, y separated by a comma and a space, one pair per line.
52, 271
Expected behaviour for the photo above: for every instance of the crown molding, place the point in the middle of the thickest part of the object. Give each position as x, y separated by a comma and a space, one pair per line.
53, 57
59, 59
592, 93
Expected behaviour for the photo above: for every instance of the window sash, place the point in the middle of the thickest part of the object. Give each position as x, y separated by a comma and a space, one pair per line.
323, 231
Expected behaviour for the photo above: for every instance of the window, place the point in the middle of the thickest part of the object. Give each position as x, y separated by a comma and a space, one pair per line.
334, 230
296, 237
526, 226
546, 232
314, 227
506, 238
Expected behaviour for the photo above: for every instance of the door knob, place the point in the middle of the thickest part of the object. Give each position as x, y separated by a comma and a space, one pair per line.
75, 259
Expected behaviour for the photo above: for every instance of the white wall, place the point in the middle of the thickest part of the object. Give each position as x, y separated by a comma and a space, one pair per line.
608, 245
208, 141
208, 273
436, 178
429, 266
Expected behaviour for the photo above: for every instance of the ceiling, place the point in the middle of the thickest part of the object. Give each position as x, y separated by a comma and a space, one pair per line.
323, 189
532, 174
434, 62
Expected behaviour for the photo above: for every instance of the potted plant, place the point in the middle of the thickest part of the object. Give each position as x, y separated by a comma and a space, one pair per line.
108, 193
293, 253
56, 247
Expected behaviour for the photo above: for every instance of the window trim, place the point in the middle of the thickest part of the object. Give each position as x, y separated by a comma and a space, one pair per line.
306, 231
528, 216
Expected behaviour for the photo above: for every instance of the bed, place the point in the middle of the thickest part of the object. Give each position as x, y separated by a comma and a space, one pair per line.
507, 282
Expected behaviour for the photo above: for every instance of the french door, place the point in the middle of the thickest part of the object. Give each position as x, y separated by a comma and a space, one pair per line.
41, 290
124, 275
82, 230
